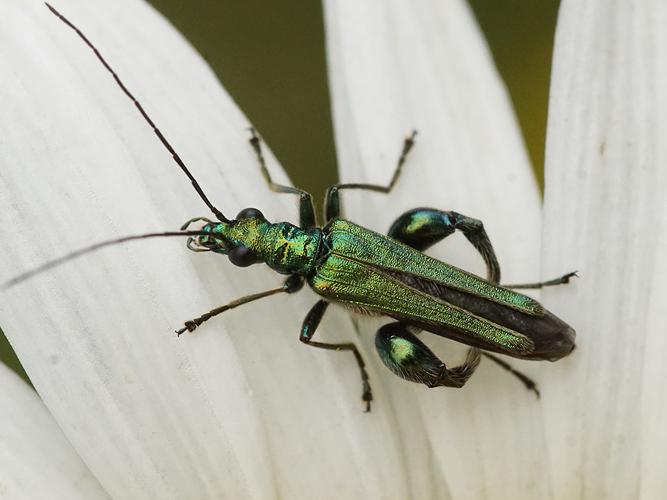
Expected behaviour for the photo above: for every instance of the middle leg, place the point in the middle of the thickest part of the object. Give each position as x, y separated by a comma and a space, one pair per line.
332, 198
292, 284
310, 324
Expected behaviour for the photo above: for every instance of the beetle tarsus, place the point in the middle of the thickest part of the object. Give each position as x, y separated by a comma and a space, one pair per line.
367, 395
189, 326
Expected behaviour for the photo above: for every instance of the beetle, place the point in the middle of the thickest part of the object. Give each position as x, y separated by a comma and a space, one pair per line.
390, 276
367, 272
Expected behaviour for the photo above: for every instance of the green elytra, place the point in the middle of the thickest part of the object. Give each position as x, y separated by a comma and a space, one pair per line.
376, 274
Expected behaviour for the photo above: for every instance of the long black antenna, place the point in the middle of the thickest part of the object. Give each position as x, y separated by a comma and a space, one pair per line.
138, 105
91, 248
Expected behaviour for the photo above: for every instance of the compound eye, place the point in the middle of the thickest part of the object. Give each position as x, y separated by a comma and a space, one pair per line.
250, 213
242, 256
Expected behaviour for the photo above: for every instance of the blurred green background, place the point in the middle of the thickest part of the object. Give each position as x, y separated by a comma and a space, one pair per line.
270, 56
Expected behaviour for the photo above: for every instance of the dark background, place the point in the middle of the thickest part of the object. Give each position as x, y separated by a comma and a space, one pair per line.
270, 56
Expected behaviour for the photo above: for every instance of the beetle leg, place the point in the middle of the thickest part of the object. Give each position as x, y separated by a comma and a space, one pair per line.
528, 382
310, 324
292, 284
562, 280
332, 198
409, 358
307, 219
421, 228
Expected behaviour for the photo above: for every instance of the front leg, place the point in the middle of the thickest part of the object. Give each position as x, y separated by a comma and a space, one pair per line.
307, 219
292, 284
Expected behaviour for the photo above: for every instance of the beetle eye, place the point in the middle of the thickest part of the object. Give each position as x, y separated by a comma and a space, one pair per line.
250, 213
242, 256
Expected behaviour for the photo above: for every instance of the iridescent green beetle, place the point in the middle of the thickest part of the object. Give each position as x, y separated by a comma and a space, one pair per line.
375, 274
390, 276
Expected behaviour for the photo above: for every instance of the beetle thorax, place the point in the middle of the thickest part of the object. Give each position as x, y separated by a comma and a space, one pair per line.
250, 239
289, 249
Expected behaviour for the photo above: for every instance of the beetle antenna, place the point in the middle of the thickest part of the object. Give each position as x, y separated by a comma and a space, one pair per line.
147, 118
92, 248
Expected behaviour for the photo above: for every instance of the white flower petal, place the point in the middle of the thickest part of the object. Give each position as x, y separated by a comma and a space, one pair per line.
395, 66
35, 458
606, 215
240, 409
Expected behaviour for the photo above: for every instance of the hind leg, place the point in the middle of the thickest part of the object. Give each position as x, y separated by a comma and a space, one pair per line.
421, 228
409, 358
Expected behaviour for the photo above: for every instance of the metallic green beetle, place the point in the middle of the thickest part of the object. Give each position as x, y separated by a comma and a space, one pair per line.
376, 274
390, 276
